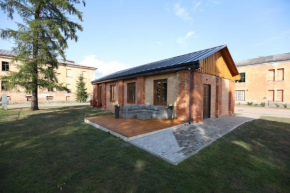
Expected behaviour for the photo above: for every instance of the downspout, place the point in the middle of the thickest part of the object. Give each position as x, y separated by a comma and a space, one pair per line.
195, 66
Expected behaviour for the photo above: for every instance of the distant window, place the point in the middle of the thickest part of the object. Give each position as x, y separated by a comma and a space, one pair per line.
131, 92
240, 95
5, 66
100, 92
67, 98
49, 98
271, 75
68, 86
271, 95
3, 86
280, 74
29, 98
243, 77
279, 96
68, 73
160, 92
84, 74
113, 93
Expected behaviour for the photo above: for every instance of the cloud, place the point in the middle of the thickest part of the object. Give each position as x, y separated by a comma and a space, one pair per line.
283, 35
196, 5
182, 40
104, 68
181, 12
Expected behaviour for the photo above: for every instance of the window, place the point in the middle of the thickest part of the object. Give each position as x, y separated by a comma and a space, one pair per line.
5, 66
160, 92
49, 98
270, 95
3, 86
243, 77
100, 92
280, 74
84, 74
113, 93
240, 95
68, 73
67, 98
29, 98
68, 86
50, 90
279, 97
271, 75
131, 92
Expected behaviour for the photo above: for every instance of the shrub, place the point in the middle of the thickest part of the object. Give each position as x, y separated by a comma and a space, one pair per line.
277, 105
250, 103
285, 106
255, 105
263, 104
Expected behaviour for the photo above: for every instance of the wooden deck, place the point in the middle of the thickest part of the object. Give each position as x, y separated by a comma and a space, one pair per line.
133, 127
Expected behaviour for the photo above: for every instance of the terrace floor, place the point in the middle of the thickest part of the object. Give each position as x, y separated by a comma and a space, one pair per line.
132, 127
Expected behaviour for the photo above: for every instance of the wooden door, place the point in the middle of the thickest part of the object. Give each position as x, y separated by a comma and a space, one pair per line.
206, 101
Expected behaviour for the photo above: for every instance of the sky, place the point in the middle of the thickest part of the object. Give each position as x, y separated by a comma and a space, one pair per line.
120, 34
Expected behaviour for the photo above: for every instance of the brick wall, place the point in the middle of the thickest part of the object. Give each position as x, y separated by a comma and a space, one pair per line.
140, 90
182, 103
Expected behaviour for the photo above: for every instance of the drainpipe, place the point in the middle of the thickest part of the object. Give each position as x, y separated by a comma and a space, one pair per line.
195, 66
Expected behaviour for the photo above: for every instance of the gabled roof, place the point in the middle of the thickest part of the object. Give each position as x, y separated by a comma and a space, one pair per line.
67, 62
177, 61
266, 59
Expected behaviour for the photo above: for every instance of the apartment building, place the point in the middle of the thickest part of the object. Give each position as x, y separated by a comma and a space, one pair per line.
67, 73
264, 79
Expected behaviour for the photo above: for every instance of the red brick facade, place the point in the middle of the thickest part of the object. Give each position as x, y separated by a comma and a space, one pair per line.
221, 93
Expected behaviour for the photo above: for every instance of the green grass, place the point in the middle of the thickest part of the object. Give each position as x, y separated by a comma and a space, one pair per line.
53, 149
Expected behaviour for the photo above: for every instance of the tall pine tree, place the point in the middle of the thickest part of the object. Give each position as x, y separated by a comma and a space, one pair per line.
82, 94
40, 38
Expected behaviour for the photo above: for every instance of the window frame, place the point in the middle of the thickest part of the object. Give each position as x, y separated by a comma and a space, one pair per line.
100, 92
274, 98
277, 95
283, 75
112, 93
7, 66
67, 75
3, 85
240, 91
161, 92
128, 93
274, 76
240, 81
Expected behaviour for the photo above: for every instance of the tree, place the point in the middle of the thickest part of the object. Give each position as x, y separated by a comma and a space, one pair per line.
39, 40
82, 94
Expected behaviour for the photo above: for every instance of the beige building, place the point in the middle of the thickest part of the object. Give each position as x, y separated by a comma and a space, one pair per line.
67, 73
264, 79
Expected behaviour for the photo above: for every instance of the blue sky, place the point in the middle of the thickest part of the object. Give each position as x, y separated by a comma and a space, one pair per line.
123, 33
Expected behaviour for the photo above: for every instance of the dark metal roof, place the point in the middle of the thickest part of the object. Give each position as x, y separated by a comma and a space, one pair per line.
163, 64
266, 59
67, 62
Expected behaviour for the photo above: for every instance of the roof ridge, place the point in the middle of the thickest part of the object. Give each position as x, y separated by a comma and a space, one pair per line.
262, 57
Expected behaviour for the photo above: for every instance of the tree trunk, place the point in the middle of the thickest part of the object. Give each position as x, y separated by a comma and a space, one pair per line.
34, 100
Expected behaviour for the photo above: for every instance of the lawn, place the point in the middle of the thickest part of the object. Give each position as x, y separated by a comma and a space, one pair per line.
53, 150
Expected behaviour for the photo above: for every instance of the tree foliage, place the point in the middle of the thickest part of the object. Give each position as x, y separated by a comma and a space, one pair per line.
40, 38
82, 94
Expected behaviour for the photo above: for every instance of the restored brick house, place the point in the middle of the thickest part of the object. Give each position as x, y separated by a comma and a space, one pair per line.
199, 85
264, 79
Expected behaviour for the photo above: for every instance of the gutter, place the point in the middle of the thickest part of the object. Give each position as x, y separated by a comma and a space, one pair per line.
195, 66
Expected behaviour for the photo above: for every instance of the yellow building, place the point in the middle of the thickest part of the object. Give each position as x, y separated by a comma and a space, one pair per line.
67, 73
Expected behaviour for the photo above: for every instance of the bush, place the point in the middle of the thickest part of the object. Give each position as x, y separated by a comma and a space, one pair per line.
277, 105
255, 105
250, 103
263, 104
285, 106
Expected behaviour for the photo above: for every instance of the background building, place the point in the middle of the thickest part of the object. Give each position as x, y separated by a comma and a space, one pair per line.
264, 79
67, 73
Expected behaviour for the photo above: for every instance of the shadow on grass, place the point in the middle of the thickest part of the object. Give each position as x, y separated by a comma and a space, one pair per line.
54, 149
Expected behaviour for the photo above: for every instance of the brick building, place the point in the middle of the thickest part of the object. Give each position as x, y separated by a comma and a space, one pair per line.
67, 73
199, 85
264, 79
